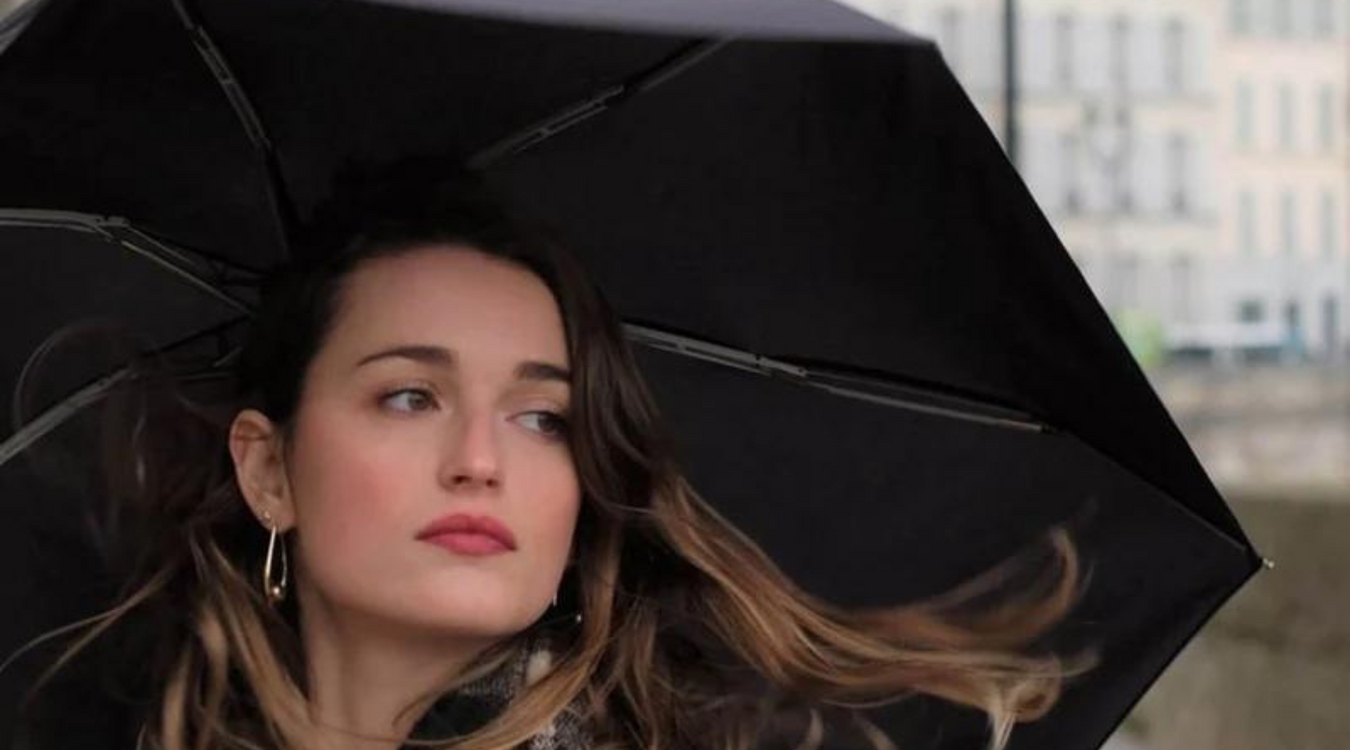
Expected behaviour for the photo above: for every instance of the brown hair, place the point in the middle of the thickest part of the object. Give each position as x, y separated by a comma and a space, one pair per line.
691, 636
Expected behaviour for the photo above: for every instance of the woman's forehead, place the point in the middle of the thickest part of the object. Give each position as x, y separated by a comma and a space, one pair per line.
478, 306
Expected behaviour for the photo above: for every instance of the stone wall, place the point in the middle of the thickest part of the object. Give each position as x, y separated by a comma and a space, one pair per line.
1271, 671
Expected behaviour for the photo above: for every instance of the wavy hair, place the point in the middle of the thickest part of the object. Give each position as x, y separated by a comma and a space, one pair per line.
691, 636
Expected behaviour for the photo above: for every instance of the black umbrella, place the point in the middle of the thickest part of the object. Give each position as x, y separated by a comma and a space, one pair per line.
876, 356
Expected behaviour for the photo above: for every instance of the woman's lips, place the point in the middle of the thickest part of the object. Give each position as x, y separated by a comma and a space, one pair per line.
468, 543
469, 535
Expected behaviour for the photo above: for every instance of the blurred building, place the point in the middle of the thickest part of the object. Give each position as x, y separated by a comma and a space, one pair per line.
1194, 157
1285, 169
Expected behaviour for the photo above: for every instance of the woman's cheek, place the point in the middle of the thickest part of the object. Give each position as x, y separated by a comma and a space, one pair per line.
352, 492
562, 519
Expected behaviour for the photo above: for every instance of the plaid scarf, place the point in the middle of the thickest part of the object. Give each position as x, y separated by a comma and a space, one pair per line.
476, 703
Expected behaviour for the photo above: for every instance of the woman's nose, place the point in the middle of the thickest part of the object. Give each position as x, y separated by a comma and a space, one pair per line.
473, 459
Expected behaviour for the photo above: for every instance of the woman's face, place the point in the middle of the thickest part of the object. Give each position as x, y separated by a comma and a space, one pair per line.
461, 423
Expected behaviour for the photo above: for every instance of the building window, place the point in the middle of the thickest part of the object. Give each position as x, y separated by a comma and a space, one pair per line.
1324, 19
1240, 16
1242, 102
1326, 118
1251, 310
1127, 270
1282, 17
1286, 115
1331, 328
1288, 223
949, 31
1120, 47
1174, 54
1330, 236
1293, 323
1064, 50
1123, 196
1069, 164
1178, 158
1246, 216
1182, 277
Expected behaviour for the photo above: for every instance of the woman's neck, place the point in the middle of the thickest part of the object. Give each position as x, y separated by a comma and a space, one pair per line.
363, 672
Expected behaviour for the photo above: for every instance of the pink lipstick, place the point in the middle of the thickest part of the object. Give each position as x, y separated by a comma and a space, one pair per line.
469, 535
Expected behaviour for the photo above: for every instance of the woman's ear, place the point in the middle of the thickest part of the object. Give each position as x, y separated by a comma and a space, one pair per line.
260, 468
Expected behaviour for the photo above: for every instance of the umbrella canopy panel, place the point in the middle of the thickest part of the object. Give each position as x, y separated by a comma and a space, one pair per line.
874, 505
120, 116
104, 299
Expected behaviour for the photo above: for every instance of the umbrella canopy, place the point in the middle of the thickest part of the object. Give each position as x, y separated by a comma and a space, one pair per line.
873, 351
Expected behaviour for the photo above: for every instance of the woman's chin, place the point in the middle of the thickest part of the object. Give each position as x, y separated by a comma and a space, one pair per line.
480, 617
458, 605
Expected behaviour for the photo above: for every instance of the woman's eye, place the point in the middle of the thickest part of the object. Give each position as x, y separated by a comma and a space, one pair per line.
421, 393
558, 423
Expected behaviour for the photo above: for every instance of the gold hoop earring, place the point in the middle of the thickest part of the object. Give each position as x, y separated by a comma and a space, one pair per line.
275, 592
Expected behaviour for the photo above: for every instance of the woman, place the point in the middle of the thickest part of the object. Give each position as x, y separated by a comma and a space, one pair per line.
441, 506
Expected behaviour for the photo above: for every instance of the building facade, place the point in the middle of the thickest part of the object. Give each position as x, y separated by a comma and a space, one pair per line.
1286, 169
1194, 156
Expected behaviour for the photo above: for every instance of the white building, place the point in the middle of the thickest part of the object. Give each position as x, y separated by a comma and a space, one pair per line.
1285, 169
1193, 155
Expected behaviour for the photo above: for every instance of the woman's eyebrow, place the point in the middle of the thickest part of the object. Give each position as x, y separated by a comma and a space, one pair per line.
439, 356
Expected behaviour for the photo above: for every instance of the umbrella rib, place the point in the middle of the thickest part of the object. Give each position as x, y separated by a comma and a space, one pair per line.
595, 104
58, 413
1242, 545
279, 200
917, 397
96, 390
220, 69
197, 271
